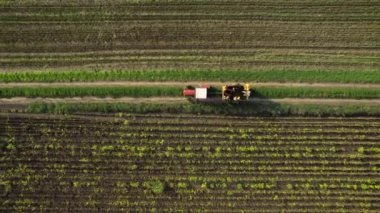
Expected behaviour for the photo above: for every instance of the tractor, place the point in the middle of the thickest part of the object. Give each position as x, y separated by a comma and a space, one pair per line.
233, 93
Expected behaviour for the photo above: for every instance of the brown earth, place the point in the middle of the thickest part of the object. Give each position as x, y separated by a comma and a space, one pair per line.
26, 101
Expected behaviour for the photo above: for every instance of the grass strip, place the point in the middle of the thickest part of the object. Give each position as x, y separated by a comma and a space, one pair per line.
349, 76
60, 92
309, 92
175, 91
265, 109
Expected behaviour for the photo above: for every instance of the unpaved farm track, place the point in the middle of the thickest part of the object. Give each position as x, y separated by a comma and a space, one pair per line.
177, 83
26, 101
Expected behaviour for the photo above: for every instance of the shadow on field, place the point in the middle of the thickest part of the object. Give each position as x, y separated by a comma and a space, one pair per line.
258, 104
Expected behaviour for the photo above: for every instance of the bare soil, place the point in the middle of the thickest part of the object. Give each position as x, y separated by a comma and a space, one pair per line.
25, 101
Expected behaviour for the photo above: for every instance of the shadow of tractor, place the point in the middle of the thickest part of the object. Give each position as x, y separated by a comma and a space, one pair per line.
258, 104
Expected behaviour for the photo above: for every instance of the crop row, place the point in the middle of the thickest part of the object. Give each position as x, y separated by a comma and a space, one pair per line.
139, 26
259, 134
144, 3
257, 129
362, 76
266, 108
196, 119
345, 56
260, 130
177, 32
365, 62
240, 124
139, 31
98, 17
91, 91
251, 9
197, 10
172, 118
184, 39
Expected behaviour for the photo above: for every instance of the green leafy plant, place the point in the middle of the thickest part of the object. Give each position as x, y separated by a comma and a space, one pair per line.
156, 186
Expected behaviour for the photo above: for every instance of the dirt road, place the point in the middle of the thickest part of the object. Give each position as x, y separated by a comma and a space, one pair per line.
25, 101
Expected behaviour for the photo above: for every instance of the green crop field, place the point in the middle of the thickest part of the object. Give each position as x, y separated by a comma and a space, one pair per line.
149, 35
310, 76
264, 108
93, 116
156, 162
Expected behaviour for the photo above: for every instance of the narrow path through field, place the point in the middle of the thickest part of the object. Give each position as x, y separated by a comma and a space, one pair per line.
177, 83
26, 101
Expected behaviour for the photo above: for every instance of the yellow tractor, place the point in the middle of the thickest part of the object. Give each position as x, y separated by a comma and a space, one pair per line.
236, 93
